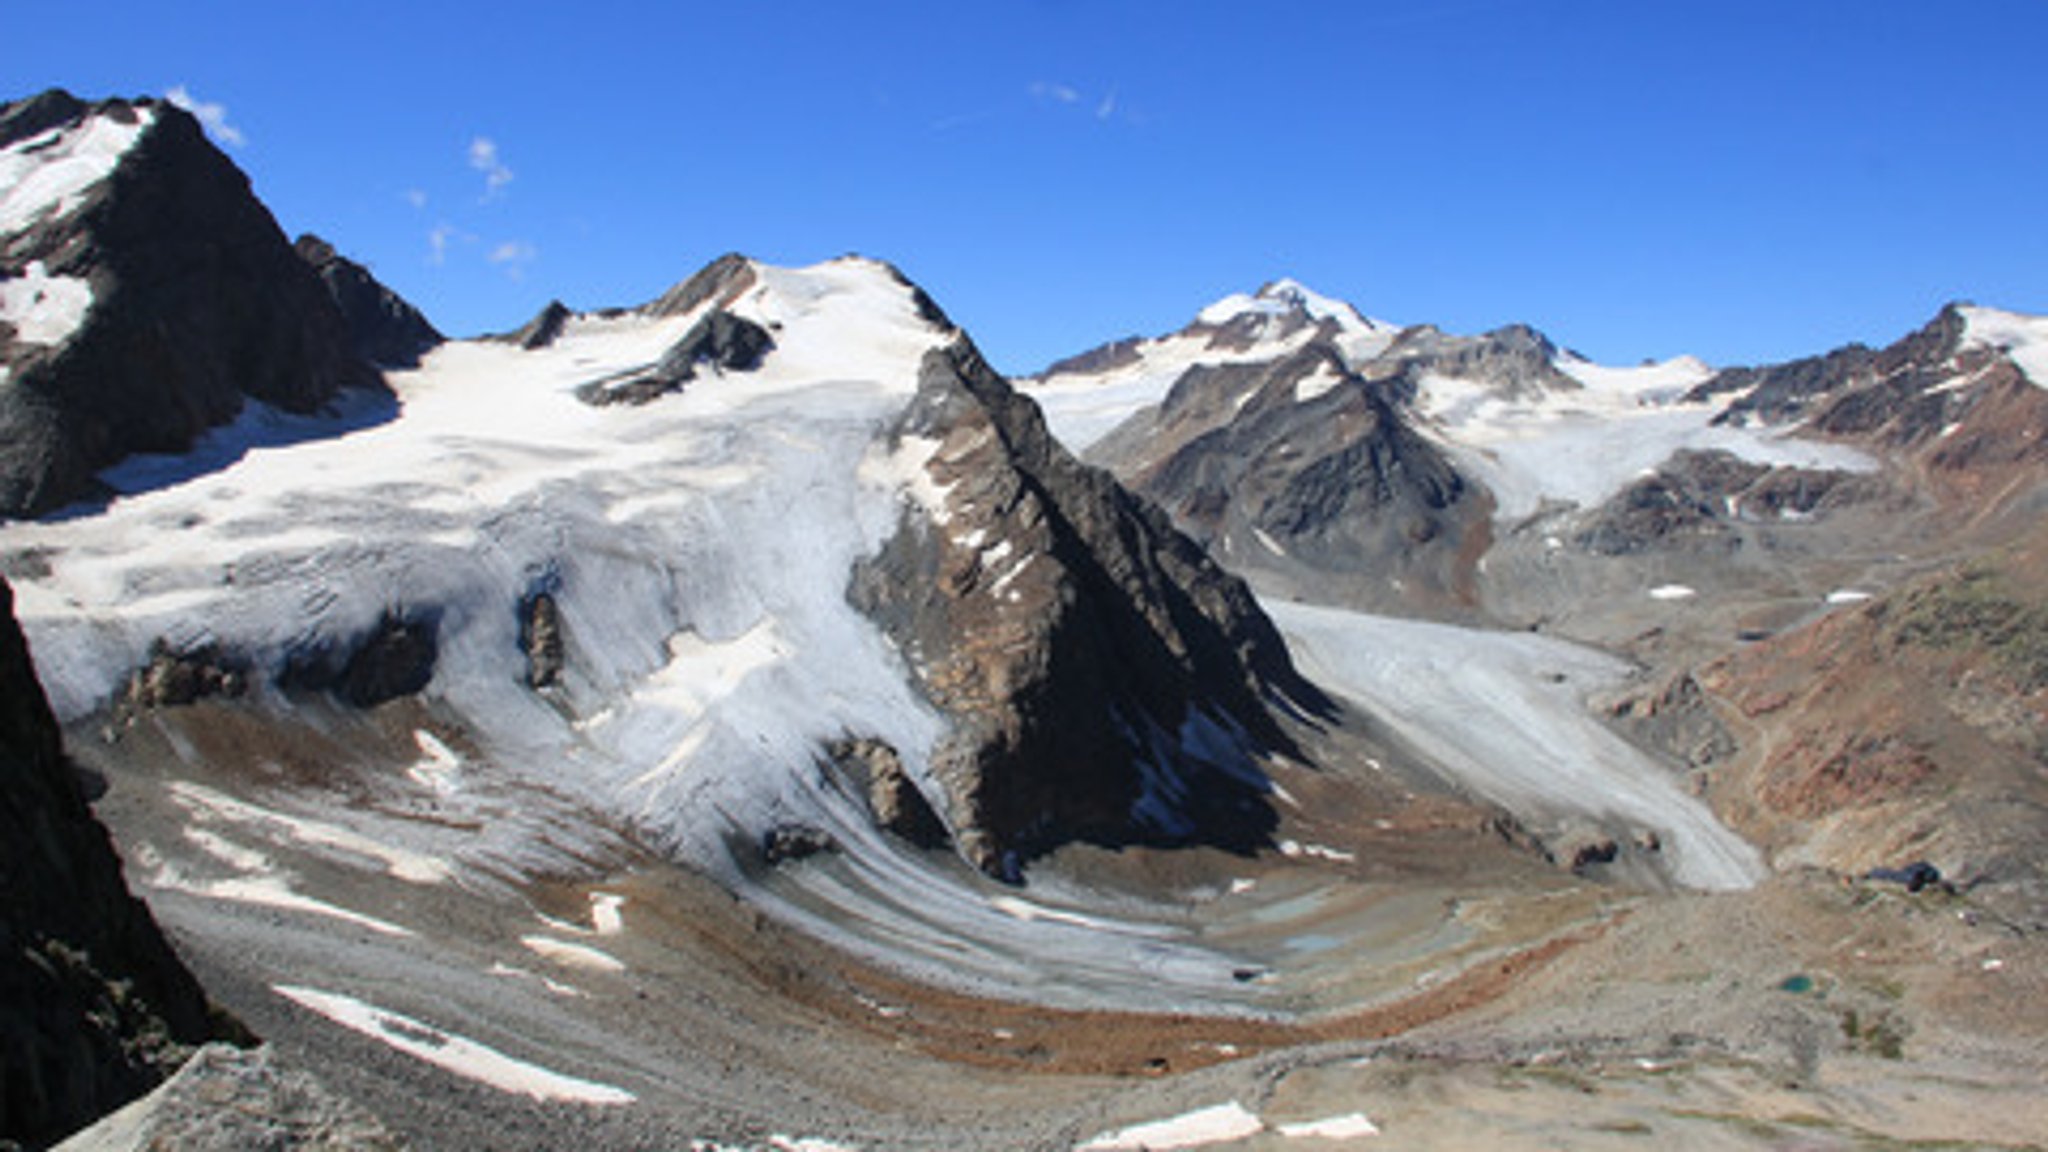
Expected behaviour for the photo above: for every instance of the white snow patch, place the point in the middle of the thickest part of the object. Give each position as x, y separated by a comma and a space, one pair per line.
1350, 1126
438, 770
1849, 596
1296, 850
1219, 1124
50, 174
1267, 542
269, 891
1317, 383
2024, 338
1673, 592
572, 955
206, 803
452, 1053
605, 915
44, 309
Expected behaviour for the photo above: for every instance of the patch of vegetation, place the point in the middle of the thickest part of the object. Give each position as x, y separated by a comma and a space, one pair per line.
1976, 611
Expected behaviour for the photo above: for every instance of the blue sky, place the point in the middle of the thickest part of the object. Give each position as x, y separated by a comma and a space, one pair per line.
1743, 181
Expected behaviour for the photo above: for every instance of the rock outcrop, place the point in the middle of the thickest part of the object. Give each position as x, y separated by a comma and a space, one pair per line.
383, 328
228, 1099
95, 1008
720, 341
157, 298
1104, 678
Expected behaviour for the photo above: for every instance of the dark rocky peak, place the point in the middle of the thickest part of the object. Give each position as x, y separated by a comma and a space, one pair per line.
541, 331
384, 328
720, 282
1104, 679
1517, 360
95, 1008
168, 298
35, 115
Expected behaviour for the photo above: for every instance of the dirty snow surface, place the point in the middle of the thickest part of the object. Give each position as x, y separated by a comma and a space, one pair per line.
1504, 714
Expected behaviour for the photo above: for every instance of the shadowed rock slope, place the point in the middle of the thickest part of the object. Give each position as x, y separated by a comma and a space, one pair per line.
94, 1006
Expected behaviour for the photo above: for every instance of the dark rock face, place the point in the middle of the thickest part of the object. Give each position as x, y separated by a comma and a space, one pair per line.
725, 342
1337, 487
395, 659
198, 305
876, 769
540, 634
173, 679
383, 328
544, 329
94, 1007
1104, 678
721, 281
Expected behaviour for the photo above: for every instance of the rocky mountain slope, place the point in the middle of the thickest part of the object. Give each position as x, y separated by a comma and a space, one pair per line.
95, 1008
145, 297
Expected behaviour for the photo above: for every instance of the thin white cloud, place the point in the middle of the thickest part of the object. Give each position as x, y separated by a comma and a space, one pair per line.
1107, 108
213, 116
441, 238
1057, 93
417, 197
513, 256
483, 156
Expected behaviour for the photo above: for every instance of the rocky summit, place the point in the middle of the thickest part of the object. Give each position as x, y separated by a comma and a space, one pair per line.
747, 720
149, 297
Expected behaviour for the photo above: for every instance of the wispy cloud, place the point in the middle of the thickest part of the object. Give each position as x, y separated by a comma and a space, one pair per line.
417, 197
483, 156
513, 256
213, 116
1049, 92
1107, 107
442, 237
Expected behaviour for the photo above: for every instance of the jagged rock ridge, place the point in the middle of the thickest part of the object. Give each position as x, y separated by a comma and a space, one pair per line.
384, 328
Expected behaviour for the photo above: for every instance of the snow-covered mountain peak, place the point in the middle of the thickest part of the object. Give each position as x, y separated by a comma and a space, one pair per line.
1288, 297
